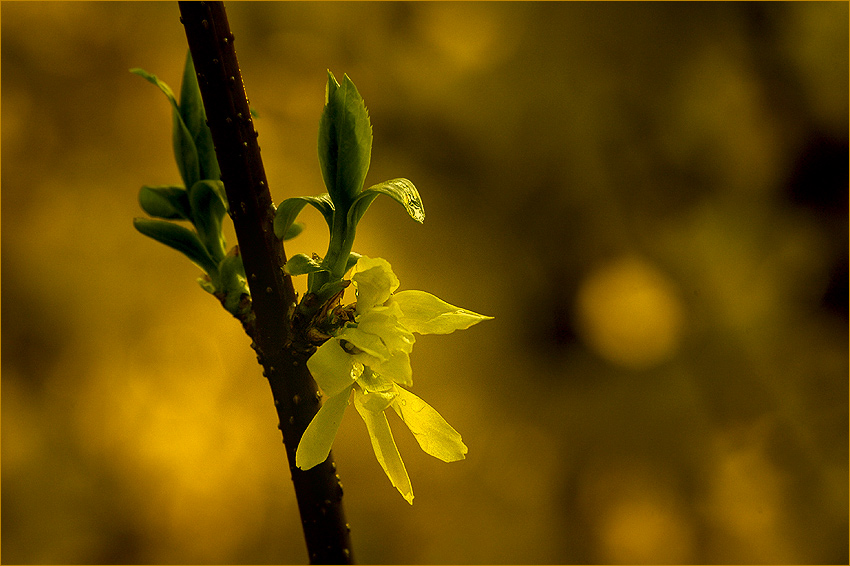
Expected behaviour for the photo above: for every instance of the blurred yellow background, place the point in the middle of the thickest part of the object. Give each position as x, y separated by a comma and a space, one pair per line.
651, 199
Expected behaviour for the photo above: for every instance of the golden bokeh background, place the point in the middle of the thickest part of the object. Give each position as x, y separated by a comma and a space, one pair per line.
650, 198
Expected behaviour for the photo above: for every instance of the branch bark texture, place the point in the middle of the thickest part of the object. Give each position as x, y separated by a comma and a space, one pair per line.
282, 355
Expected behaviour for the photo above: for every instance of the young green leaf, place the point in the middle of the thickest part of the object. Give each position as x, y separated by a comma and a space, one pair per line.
193, 115
185, 152
400, 190
208, 210
162, 86
345, 141
289, 209
294, 229
301, 264
180, 238
352, 260
357, 210
234, 283
165, 201
403, 192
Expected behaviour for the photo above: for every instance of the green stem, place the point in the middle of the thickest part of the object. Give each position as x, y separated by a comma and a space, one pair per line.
318, 491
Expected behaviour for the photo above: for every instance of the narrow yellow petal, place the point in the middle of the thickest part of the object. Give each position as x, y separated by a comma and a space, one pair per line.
385, 449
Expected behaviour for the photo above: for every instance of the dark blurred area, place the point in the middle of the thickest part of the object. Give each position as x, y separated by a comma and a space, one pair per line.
650, 198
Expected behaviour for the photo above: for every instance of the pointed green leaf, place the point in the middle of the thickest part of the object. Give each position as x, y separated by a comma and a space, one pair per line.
180, 238
301, 264
345, 141
208, 210
162, 86
331, 87
195, 118
185, 152
165, 201
289, 209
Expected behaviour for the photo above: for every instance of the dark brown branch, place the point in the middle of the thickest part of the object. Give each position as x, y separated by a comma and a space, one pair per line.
318, 491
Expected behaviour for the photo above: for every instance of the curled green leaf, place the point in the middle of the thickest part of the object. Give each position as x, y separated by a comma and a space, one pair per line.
181, 239
403, 192
165, 201
289, 209
400, 190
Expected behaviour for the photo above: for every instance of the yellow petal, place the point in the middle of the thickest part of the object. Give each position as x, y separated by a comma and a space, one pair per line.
434, 434
316, 442
333, 368
375, 282
385, 449
426, 314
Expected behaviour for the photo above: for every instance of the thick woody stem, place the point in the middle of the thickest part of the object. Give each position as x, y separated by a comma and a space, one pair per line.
318, 491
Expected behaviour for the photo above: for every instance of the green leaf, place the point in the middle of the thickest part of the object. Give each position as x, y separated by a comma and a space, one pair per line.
195, 118
232, 264
353, 258
403, 192
208, 210
234, 283
294, 229
289, 209
181, 239
400, 190
185, 151
165, 201
357, 210
345, 141
301, 264
162, 86
328, 290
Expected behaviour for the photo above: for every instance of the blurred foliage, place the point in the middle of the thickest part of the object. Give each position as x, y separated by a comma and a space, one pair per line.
650, 198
